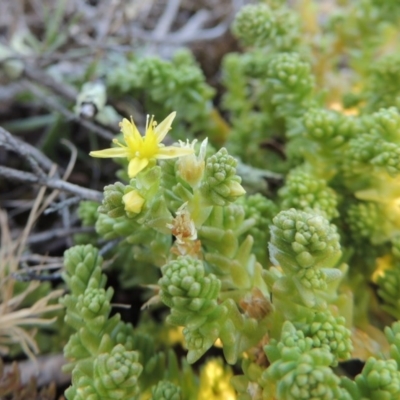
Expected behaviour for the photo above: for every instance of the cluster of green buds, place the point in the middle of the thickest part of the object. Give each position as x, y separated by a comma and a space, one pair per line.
103, 362
306, 247
192, 296
174, 84
263, 25
305, 192
299, 370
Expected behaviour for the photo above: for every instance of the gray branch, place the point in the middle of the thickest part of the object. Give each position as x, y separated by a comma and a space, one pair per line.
58, 233
52, 183
11, 142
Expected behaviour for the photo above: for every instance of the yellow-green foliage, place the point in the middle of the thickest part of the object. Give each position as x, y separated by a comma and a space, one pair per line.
287, 285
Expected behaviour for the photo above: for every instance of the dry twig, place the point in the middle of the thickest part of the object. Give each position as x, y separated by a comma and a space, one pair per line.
58, 233
51, 182
194, 29
11, 143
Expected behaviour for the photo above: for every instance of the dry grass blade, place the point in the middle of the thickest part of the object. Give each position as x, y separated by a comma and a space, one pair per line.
13, 319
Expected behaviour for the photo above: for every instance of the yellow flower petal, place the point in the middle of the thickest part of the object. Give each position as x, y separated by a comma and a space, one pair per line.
133, 202
136, 165
140, 150
132, 137
172, 152
110, 153
162, 129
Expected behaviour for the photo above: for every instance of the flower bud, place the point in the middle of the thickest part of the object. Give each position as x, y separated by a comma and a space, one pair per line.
133, 201
191, 167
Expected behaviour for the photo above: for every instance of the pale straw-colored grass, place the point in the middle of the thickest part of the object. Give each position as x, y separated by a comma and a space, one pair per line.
18, 324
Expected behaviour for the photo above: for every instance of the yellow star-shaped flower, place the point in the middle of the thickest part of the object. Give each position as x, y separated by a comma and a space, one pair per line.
138, 149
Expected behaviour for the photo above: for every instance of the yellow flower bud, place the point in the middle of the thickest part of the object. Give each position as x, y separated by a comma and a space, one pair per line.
133, 202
